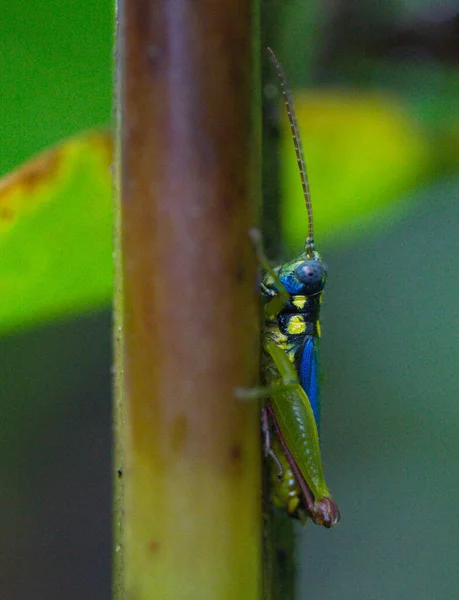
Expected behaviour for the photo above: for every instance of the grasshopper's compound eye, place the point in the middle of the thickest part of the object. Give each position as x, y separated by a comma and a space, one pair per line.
312, 273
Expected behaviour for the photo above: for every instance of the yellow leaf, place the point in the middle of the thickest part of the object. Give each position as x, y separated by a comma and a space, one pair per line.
363, 154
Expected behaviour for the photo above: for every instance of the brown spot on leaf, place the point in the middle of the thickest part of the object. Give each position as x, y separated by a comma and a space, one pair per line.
20, 188
36, 173
6, 213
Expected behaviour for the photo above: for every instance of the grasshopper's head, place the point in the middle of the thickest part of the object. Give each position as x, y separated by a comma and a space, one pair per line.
304, 276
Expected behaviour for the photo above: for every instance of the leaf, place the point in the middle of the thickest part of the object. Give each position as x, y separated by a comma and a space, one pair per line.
363, 154
56, 232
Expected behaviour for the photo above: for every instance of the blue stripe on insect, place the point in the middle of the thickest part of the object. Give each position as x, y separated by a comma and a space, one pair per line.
308, 373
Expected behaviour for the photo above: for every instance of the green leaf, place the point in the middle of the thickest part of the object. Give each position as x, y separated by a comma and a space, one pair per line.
56, 232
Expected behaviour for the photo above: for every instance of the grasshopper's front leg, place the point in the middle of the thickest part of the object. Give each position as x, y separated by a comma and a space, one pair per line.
277, 302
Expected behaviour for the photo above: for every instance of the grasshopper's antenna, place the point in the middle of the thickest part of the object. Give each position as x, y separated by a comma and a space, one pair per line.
309, 246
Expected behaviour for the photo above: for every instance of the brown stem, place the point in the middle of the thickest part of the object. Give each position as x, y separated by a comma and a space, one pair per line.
190, 162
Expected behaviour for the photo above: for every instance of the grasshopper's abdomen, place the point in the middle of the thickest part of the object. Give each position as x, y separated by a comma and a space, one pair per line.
286, 491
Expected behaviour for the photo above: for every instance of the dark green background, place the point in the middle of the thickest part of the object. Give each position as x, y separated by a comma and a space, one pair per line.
390, 406
390, 325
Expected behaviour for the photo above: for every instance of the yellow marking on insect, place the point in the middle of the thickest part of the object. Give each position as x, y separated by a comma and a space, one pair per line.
318, 329
278, 337
296, 325
293, 504
300, 301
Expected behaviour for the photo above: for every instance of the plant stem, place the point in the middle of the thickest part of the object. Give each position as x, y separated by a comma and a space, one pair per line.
190, 185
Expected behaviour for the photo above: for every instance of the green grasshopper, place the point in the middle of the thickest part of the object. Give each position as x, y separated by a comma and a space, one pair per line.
292, 294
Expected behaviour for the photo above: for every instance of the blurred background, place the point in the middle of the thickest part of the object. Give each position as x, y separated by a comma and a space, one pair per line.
376, 91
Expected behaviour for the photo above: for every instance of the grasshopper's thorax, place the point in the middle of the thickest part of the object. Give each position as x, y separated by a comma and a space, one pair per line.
304, 281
